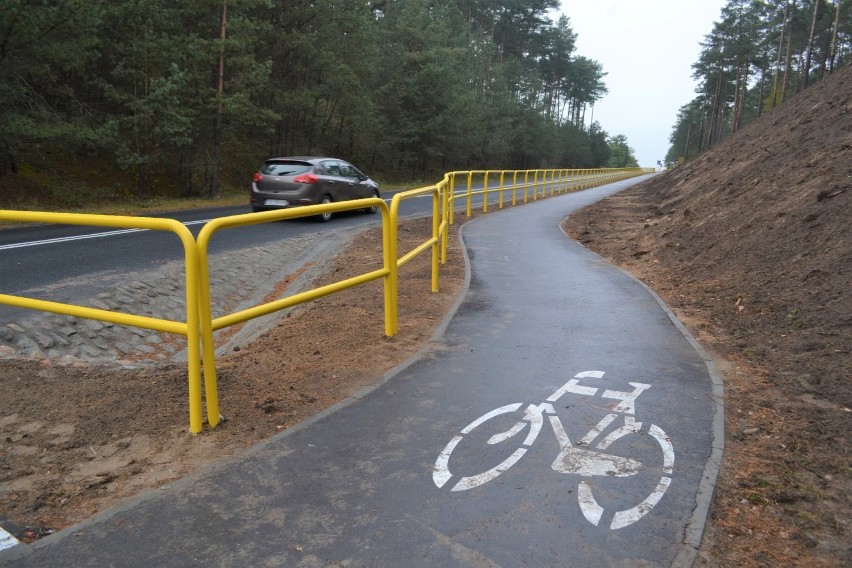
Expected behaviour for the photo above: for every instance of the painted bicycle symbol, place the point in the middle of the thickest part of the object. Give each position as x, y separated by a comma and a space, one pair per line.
587, 458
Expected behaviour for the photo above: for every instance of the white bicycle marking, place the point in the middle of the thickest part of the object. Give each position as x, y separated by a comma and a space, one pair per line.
7, 540
595, 432
582, 459
666, 444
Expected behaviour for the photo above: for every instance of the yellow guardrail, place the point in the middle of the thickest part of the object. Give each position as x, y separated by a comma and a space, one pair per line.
200, 324
209, 324
439, 230
538, 182
189, 328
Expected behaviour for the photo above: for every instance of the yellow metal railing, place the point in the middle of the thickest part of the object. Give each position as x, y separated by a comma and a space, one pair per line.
439, 232
200, 324
190, 328
209, 324
535, 182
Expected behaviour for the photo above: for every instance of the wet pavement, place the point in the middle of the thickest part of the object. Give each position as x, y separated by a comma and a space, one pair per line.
564, 418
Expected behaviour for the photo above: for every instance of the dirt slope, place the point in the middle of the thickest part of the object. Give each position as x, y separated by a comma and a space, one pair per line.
750, 244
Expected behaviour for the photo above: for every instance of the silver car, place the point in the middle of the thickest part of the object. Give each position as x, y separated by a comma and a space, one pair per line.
297, 181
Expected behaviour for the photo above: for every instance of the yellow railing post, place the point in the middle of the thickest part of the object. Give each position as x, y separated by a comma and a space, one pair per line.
514, 186
502, 174
469, 192
436, 236
535, 185
390, 283
208, 347
193, 345
451, 198
485, 193
445, 221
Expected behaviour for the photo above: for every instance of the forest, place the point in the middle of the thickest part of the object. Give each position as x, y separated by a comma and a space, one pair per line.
759, 54
142, 97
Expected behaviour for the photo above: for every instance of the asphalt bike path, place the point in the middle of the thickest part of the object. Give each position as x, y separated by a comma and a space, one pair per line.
561, 418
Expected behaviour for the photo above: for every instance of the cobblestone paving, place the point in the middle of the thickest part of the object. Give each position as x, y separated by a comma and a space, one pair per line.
238, 280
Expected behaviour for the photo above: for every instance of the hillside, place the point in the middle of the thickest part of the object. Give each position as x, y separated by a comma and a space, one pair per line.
750, 244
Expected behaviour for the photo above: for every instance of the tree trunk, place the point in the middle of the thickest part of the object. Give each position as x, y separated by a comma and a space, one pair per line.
797, 84
686, 146
738, 88
810, 50
716, 111
216, 154
7, 159
763, 72
789, 60
184, 174
833, 50
778, 59
743, 91
141, 180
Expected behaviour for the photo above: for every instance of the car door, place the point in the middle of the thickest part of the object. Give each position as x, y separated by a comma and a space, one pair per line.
335, 183
356, 179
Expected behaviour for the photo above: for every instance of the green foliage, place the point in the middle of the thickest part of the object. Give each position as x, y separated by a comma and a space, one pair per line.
404, 88
46, 47
757, 55
620, 154
796, 319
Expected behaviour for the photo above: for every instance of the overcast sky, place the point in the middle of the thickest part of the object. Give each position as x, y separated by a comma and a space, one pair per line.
647, 48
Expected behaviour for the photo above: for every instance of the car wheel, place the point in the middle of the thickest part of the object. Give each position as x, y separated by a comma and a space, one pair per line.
324, 217
375, 208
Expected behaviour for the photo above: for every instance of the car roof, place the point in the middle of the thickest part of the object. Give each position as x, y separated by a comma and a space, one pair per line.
309, 159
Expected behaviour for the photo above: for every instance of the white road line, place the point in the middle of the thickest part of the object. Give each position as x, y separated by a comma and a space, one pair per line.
83, 237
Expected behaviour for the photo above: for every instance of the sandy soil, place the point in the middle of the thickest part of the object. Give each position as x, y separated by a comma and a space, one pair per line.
749, 244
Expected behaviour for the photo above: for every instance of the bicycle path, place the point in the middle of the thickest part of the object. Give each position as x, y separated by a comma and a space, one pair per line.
357, 484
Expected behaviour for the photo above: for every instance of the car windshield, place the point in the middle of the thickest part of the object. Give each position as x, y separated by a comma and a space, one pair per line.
284, 168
